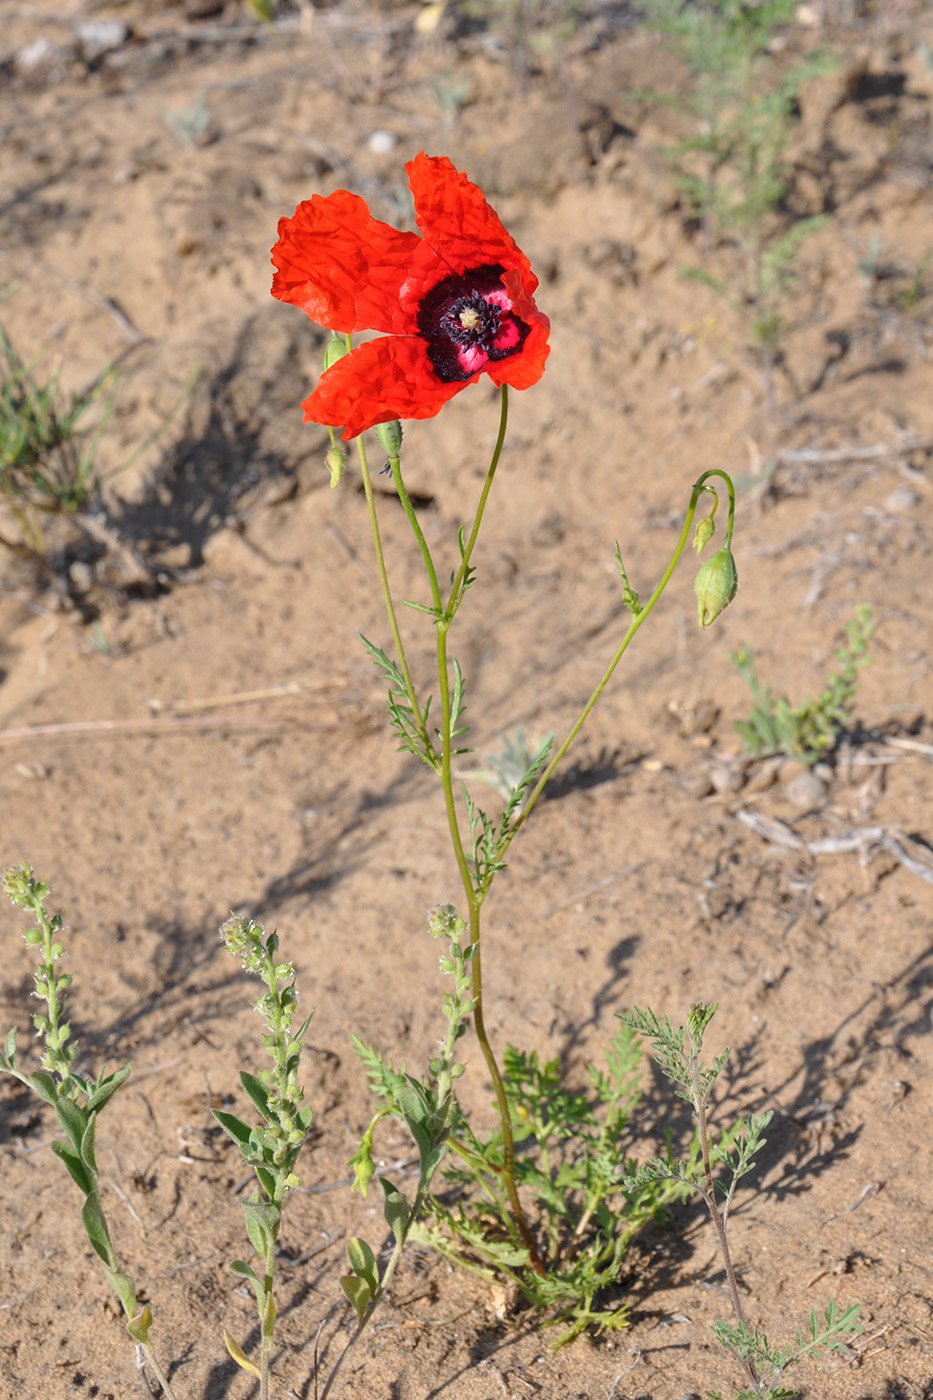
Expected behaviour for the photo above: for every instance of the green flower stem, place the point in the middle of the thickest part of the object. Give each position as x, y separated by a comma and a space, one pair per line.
456, 590
157, 1371
267, 1321
415, 523
429, 750
444, 618
636, 622
473, 899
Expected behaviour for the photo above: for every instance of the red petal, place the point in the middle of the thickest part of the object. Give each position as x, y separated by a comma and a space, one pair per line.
526, 368
345, 268
456, 221
380, 380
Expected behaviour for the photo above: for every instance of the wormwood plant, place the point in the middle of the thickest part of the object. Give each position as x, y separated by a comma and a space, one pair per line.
714, 1176
733, 169
270, 1147
76, 1099
807, 731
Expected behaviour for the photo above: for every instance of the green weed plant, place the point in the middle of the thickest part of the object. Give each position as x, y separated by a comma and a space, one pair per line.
49, 445
810, 730
733, 169
713, 1174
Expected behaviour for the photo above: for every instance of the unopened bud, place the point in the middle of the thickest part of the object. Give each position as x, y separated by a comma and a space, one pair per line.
715, 585
704, 533
336, 460
336, 349
390, 436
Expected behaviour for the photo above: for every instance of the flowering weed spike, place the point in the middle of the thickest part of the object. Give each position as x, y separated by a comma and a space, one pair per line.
453, 304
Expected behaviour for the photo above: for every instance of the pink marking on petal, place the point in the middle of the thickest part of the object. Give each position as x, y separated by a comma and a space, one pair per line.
507, 337
471, 358
499, 298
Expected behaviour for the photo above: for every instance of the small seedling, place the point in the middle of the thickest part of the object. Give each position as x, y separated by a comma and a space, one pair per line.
714, 1175
49, 442
190, 125
807, 731
516, 763
47, 452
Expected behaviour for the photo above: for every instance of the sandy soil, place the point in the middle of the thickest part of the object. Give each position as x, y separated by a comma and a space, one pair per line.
241, 572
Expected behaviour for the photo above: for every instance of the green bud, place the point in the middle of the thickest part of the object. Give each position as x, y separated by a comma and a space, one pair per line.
715, 585
336, 349
704, 533
390, 436
336, 460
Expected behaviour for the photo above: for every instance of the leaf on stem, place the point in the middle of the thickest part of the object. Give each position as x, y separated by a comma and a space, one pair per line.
95, 1225
239, 1355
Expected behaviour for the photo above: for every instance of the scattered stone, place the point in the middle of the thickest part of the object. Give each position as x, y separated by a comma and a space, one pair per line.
96, 37
792, 768
805, 793
725, 778
901, 500
382, 142
700, 786
38, 59
764, 774
202, 9
695, 716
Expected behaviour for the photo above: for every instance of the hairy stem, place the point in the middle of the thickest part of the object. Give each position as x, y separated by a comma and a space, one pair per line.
709, 1196
633, 627
429, 750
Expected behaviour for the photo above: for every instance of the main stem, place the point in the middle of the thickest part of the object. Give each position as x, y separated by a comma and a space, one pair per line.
429, 751
719, 1224
444, 616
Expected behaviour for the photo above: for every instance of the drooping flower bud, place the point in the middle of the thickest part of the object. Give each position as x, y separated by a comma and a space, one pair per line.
336, 460
704, 533
716, 585
390, 436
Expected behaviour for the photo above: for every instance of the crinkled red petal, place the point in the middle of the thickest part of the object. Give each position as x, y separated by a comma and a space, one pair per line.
380, 380
456, 221
526, 368
346, 269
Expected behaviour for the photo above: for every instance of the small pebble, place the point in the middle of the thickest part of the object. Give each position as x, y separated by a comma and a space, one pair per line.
96, 37
764, 775
37, 58
725, 779
805, 793
902, 499
382, 142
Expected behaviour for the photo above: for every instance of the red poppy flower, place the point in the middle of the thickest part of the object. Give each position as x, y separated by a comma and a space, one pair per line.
455, 304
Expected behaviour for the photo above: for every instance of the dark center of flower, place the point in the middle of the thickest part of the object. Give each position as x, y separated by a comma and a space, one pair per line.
468, 320
472, 321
